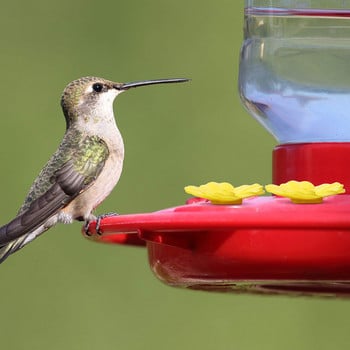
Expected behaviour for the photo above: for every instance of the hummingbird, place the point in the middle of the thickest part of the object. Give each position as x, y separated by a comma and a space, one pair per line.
84, 169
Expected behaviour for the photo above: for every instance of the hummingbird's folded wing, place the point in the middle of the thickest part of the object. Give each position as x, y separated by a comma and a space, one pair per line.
72, 178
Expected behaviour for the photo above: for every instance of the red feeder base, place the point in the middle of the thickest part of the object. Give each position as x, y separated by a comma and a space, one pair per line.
266, 245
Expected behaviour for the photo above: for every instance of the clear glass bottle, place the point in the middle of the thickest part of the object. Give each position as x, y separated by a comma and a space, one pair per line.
295, 68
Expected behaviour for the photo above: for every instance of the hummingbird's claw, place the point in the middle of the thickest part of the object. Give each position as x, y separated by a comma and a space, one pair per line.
86, 228
99, 219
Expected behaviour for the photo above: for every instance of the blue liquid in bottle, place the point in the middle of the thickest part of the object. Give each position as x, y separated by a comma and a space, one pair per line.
295, 72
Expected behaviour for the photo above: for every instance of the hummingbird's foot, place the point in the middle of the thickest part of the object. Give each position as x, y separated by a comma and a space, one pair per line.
86, 228
99, 219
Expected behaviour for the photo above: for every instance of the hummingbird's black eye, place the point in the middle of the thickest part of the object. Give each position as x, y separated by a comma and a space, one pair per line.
97, 87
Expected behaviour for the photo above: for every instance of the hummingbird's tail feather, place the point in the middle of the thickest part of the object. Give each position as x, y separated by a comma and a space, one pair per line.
12, 247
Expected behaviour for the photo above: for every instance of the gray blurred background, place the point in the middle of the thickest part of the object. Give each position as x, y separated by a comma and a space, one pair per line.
64, 292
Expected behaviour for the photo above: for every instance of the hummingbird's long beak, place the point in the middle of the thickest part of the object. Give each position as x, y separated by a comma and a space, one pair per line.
126, 86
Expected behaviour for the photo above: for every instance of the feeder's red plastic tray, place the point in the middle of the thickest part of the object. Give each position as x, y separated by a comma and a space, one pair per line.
266, 245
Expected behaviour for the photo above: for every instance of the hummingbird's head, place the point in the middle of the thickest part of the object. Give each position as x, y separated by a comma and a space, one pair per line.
85, 96
93, 97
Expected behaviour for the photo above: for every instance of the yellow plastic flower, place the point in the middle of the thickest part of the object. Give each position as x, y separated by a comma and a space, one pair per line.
305, 191
224, 192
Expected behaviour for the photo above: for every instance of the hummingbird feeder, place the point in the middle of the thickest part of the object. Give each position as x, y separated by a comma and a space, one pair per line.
295, 80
